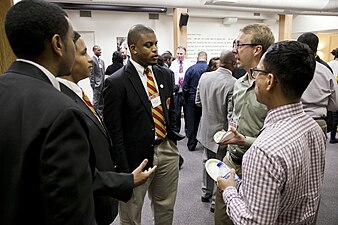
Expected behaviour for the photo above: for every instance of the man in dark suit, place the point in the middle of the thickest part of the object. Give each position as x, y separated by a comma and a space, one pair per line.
97, 79
46, 177
107, 184
133, 97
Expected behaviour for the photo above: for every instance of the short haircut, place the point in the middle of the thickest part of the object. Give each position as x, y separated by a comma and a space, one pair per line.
182, 47
310, 39
293, 64
117, 57
212, 63
166, 56
30, 24
334, 52
136, 31
261, 35
95, 47
202, 54
77, 35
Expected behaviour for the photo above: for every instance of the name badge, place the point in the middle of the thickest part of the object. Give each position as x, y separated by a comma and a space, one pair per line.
155, 100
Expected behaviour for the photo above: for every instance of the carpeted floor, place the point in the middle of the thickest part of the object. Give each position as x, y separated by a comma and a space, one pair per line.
189, 210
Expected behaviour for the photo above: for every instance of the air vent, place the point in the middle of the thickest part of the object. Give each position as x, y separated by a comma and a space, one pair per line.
257, 14
85, 13
154, 16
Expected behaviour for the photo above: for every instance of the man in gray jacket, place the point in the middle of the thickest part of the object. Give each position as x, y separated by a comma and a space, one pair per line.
213, 93
97, 80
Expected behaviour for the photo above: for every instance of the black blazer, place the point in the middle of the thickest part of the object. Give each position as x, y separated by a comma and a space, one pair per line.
127, 115
113, 68
44, 152
106, 183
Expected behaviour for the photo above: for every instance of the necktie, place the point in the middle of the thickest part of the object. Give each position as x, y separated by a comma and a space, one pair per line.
180, 69
88, 103
157, 112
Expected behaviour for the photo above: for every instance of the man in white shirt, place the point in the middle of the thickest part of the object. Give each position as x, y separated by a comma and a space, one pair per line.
179, 66
322, 93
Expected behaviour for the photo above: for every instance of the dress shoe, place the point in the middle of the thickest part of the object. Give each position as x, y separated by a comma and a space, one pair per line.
212, 210
334, 141
205, 199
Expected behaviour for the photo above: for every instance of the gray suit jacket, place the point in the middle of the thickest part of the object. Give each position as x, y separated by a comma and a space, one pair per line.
97, 75
213, 93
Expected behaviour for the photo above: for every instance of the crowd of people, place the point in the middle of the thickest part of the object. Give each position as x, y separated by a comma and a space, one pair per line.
69, 160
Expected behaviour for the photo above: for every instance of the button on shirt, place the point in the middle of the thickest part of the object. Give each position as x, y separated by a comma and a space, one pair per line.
246, 112
282, 171
143, 77
175, 68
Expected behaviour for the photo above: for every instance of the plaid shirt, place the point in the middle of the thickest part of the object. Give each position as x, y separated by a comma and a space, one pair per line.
282, 171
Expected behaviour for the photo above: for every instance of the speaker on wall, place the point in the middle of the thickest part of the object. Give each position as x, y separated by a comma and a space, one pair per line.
184, 19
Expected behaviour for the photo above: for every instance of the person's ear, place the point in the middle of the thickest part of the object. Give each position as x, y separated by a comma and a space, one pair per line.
271, 81
258, 50
57, 44
133, 49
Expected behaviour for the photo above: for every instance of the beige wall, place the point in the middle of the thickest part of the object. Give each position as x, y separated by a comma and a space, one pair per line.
327, 42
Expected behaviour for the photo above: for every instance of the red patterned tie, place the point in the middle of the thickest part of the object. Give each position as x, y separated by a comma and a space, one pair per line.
180, 69
158, 110
88, 103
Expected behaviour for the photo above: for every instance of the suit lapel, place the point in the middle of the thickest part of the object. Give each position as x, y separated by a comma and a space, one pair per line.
138, 86
83, 107
161, 87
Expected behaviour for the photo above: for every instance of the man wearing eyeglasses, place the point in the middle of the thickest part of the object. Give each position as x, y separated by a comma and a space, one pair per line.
284, 168
245, 114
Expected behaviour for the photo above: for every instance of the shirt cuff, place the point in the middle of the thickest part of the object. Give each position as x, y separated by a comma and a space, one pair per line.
249, 141
229, 193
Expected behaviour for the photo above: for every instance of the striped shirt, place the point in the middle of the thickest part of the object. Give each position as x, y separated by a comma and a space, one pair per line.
282, 171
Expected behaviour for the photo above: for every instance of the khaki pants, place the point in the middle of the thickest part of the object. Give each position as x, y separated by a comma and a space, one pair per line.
221, 217
161, 187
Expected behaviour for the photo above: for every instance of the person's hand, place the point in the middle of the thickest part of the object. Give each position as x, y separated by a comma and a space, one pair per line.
140, 177
223, 183
238, 138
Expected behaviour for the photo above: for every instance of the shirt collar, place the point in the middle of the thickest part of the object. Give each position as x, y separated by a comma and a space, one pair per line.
139, 68
282, 112
49, 75
71, 85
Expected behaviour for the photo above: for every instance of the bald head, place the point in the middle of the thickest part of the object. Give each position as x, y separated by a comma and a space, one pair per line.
228, 60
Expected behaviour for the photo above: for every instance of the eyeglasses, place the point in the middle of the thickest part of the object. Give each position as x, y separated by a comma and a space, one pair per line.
254, 72
237, 45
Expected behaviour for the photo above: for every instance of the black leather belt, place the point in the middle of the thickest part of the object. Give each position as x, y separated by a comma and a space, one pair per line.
158, 141
237, 160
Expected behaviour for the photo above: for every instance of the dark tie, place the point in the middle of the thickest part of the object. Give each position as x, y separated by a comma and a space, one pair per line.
157, 112
180, 69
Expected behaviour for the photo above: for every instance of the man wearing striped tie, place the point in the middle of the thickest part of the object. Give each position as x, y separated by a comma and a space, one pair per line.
107, 185
140, 117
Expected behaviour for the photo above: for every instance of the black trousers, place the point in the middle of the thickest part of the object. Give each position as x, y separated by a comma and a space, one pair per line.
179, 105
192, 120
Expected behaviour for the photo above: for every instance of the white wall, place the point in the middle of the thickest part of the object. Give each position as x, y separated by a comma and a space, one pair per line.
107, 25
303, 24
104, 26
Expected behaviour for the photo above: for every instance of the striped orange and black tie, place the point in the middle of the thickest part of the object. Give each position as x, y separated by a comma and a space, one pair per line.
157, 112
